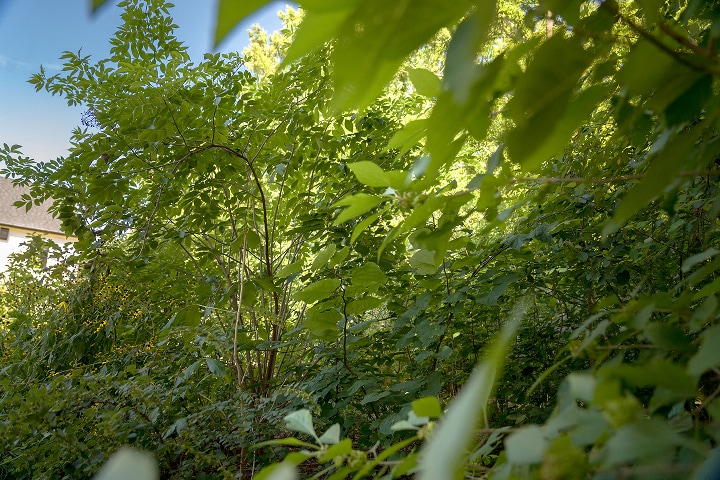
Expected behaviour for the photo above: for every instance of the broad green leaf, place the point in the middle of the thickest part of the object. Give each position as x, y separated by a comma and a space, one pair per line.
408, 136
368, 274
322, 323
370, 174
689, 104
690, 262
338, 449
582, 386
331, 435
423, 261
461, 69
356, 205
95, 4
375, 39
279, 471
644, 68
186, 373
267, 284
427, 407
526, 446
426, 83
320, 24
667, 336
360, 227
319, 290
450, 118
709, 289
708, 355
216, 366
374, 396
323, 257
444, 453
646, 439
301, 421
290, 269
230, 13
549, 80
362, 305
129, 463
339, 257
663, 373
188, 317
548, 131
661, 173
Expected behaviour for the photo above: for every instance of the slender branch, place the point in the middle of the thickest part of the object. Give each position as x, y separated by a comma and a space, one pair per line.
238, 314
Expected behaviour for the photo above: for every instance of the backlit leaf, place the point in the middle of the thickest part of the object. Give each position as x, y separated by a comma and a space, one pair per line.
425, 82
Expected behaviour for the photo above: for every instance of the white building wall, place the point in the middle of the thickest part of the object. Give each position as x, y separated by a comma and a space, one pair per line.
14, 244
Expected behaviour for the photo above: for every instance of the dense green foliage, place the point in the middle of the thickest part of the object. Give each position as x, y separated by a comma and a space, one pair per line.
502, 215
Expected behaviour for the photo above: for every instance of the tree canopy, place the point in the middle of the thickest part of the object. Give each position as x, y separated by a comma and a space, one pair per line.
463, 240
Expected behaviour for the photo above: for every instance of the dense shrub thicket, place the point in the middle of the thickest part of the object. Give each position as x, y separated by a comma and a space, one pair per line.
481, 251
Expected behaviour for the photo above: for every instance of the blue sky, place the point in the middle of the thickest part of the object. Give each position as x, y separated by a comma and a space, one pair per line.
36, 32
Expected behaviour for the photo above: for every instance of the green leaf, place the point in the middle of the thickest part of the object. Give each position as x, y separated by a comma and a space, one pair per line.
526, 446
667, 336
709, 289
690, 262
323, 257
290, 269
362, 305
644, 68
230, 13
426, 83
661, 173
461, 69
689, 104
216, 366
267, 284
331, 435
321, 23
427, 407
368, 274
301, 421
339, 449
279, 471
360, 227
548, 82
289, 441
546, 133
664, 373
646, 439
708, 355
370, 174
129, 463
423, 261
408, 136
375, 39
373, 397
357, 205
319, 290
444, 454
322, 323
95, 4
